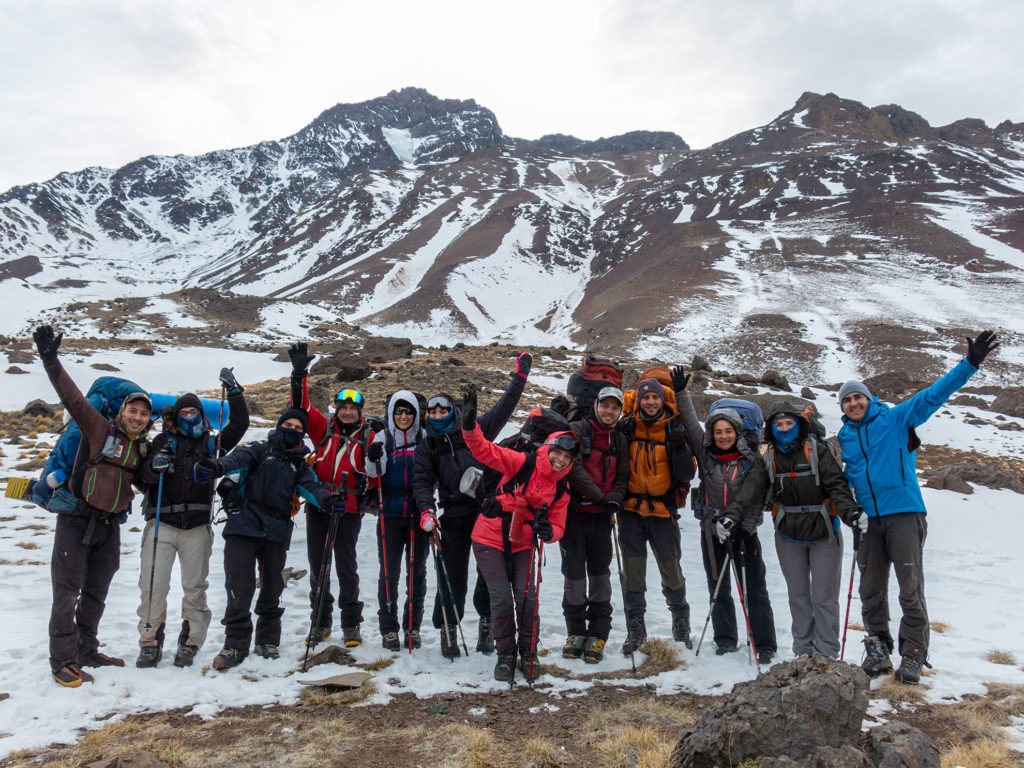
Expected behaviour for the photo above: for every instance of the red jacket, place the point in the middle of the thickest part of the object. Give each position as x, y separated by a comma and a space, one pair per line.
539, 490
337, 455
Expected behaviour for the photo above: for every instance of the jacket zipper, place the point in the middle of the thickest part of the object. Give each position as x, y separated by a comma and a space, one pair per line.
867, 470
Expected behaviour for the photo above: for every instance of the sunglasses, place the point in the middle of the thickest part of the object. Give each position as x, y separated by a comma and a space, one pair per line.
350, 396
403, 411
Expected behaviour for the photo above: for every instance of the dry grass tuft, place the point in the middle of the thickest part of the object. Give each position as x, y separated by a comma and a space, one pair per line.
377, 664
999, 690
636, 747
473, 747
984, 753
938, 626
541, 753
1001, 657
27, 545
315, 696
856, 626
649, 711
901, 692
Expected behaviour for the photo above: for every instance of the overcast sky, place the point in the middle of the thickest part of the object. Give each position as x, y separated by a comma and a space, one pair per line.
102, 82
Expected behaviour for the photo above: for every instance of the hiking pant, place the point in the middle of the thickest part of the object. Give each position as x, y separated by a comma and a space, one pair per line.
896, 541
80, 575
511, 598
241, 556
317, 525
455, 546
662, 533
586, 548
812, 570
750, 560
193, 547
397, 531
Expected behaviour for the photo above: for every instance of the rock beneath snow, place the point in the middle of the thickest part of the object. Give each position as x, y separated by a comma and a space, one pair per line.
134, 760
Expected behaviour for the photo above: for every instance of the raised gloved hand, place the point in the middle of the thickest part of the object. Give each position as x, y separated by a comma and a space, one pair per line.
229, 382
723, 529
523, 364
204, 470
375, 451
469, 407
300, 358
680, 378
163, 461
978, 349
428, 520
860, 520
47, 343
542, 527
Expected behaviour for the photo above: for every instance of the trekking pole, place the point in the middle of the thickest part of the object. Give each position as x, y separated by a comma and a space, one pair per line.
434, 546
384, 542
538, 547
743, 602
216, 450
323, 577
451, 592
156, 532
412, 545
849, 594
714, 596
622, 582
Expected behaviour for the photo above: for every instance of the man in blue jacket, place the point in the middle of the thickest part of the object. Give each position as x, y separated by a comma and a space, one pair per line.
880, 456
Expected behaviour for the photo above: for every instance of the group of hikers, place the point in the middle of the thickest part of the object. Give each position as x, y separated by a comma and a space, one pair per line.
605, 474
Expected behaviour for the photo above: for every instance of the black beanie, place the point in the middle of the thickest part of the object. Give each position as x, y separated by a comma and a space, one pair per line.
294, 413
188, 400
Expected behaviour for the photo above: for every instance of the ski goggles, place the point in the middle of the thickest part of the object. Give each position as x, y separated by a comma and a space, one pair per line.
350, 396
439, 402
565, 442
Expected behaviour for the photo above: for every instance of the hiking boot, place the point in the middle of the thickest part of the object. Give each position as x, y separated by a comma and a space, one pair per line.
149, 655
228, 657
764, 658
266, 651
681, 632
484, 637
318, 635
573, 647
877, 661
636, 634
505, 669
593, 650
389, 641
724, 648
71, 676
97, 659
450, 643
351, 636
185, 655
529, 665
910, 667
412, 639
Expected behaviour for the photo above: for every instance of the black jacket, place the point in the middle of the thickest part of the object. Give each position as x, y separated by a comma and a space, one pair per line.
270, 475
442, 458
185, 503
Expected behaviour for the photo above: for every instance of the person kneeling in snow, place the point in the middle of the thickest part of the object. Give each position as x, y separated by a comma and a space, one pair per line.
527, 512
259, 530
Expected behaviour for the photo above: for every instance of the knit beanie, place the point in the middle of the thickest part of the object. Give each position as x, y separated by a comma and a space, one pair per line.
853, 386
294, 413
650, 385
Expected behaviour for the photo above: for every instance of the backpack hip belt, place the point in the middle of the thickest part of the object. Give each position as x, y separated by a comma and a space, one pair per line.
824, 509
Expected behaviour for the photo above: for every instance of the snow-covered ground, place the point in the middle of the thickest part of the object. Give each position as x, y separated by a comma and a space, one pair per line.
972, 571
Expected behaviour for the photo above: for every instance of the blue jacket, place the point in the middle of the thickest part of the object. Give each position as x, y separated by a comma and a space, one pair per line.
878, 457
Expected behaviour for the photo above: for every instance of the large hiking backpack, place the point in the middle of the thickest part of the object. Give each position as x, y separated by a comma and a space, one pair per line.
750, 412
540, 423
810, 412
65, 464
591, 377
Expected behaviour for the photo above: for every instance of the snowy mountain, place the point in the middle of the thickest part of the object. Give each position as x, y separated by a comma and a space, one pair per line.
834, 231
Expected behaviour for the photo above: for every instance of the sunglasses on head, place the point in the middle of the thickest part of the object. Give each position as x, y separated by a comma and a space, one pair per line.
403, 411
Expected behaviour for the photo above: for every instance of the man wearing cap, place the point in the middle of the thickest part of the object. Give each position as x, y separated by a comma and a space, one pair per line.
598, 484
880, 461
87, 544
343, 466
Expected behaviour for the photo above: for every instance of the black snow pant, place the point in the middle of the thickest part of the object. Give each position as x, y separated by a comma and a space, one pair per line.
242, 554
397, 531
511, 597
317, 525
662, 533
750, 560
897, 542
455, 546
586, 548
80, 573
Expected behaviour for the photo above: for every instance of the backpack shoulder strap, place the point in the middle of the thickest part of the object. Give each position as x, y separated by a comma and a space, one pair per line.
522, 476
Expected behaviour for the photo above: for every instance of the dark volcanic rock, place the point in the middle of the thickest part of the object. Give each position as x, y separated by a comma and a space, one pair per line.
39, 408
105, 367
807, 393
634, 141
953, 483
897, 745
774, 379
15, 369
825, 757
700, 364
1009, 401
20, 356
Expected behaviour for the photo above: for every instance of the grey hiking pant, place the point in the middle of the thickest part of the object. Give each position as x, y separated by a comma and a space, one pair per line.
896, 541
662, 533
813, 575
193, 547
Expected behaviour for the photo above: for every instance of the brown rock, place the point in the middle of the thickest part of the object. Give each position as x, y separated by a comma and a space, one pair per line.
15, 369
142, 759
1009, 401
148, 351
105, 367
774, 379
20, 356
948, 483
700, 364
807, 393
40, 408
898, 745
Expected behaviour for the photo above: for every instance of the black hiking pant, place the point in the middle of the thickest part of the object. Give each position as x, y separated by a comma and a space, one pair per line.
80, 574
455, 546
511, 597
397, 531
317, 525
662, 534
242, 555
586, 548
750, 560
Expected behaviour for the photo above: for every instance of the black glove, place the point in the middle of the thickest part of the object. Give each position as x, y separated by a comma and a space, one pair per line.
613, 507
375, 451
204, 470
523, 364
676, 436
47, 343
230, 383
300, 358
542, 527
469, 407
335, 504
680, 378
163, 462
977, 349
491, 509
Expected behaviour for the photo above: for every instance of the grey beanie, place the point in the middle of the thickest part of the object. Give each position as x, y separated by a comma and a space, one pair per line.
650, 385
853, 386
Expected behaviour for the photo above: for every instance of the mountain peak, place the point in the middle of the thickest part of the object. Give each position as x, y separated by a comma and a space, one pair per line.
632, 141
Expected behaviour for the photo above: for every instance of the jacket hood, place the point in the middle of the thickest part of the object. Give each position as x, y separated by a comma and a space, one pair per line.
786, 406
543, 466
874, 408
734, 419
412, 435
